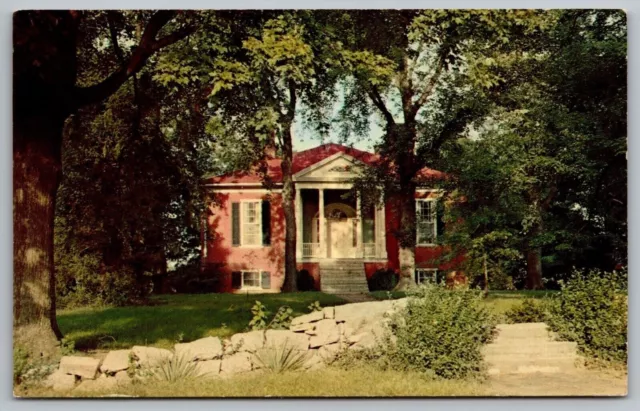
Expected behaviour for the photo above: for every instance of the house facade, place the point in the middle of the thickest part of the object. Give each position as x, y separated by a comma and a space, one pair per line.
340, 243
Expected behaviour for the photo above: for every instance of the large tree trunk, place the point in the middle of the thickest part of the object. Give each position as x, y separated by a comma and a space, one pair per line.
534, 269
406, 236
288, 206
36, 176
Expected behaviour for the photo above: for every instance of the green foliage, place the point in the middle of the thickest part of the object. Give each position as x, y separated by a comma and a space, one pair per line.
314, 306
529, 311
176, 368
592, 310
383, 280
279, 359
260, 321
260, 316
441, 332
20, 363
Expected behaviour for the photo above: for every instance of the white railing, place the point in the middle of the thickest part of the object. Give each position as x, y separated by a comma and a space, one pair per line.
369, 250
310, 250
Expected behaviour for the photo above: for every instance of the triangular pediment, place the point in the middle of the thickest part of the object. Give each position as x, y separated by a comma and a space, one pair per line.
339, 167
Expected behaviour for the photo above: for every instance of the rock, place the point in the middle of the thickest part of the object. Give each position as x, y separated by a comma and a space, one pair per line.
346, 331
329, 313
327, 332
115, 361
200, 350
100, 384
314, 361
302, 327
85, 367
236, 363
312, 330
150, 356
308, 318
329, 352
280, 338
122, 377
60, 381
249, 342
367, 312
209, 369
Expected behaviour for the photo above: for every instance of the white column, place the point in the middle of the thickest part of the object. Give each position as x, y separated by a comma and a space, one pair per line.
299, 238
381, 229
322, 232
360, 248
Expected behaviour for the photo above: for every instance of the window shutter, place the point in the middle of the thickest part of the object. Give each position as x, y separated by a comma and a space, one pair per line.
235, 224
266, 223
266, 280
440, 218
236, 280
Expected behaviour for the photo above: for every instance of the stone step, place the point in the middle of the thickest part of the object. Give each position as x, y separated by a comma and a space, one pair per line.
540, 365
545, 348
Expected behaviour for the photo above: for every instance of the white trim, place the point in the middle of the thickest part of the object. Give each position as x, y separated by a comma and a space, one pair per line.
319, 164
236, 184
246, 190
242, 273
435, 221
434, 275
429, 190
242, 223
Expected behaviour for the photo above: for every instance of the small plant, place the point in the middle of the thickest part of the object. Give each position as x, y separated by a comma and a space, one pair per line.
180, 337
176, 368
282, 319
314, 306
260, 316
67, 346
592, 310
529, 311
280, 359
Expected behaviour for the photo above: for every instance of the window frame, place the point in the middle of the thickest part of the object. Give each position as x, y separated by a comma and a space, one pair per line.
253, 287
434, 275
434, 211
258, 203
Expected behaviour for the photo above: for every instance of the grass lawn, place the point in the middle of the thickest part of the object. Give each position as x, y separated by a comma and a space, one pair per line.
498, 301
191, 315
330, 382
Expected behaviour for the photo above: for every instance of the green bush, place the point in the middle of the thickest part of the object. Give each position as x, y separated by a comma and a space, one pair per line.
20, 363
383, 280
529, 311
175, 369
441, 332
591, 309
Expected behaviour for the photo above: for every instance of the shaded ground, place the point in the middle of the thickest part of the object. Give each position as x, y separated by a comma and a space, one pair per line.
580, 382
185, 317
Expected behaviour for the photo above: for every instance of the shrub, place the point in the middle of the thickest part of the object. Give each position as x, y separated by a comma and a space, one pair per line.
383, 280
280, 359
591, 309
305, 281
441, 332
176, 368
529, 311
260, 320
20, 363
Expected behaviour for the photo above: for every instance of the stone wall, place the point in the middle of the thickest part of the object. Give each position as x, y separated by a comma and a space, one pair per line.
321, 335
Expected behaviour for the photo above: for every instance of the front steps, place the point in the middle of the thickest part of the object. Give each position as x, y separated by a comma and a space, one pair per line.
343, 276
528, 348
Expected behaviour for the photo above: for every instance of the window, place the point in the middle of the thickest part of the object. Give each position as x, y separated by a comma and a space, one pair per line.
251, 223
251, 279
426, 222
426, 275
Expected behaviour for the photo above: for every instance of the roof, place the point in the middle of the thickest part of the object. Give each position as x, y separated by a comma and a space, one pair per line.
303, 160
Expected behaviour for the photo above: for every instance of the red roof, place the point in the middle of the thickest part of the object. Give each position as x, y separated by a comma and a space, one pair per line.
302, 160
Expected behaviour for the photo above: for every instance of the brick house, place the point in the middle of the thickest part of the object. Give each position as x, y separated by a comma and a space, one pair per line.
339, 243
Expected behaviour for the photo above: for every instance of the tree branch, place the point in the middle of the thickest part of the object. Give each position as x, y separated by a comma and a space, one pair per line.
147, 47
111, 17
293, 99
376, 98
426, 93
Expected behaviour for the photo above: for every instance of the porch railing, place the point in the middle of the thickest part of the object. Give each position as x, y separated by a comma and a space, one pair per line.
369, 250
310, 250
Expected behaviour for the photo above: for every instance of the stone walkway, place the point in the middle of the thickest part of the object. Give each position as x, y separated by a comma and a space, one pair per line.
527, 360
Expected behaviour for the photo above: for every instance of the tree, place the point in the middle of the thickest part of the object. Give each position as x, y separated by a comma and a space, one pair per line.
415, 69
47, 66
275, 63
538, 170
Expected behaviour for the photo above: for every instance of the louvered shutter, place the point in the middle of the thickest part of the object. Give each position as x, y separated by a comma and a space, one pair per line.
236, 280
266, 223
266, 280
235, 224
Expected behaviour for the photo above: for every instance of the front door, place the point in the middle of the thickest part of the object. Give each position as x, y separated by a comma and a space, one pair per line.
341, 238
